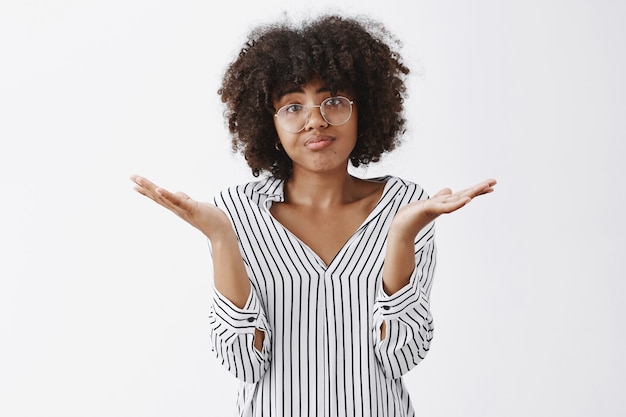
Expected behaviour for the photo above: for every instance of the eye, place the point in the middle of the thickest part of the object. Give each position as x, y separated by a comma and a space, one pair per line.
293, 108
333, 102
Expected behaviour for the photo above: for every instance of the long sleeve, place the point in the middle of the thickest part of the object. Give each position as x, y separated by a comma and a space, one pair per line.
232, 334
409, 322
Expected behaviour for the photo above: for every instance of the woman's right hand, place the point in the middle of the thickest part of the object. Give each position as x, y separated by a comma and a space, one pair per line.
205, 217
229, 272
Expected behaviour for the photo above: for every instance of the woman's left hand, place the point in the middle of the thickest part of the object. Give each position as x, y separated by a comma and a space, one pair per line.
407, 223
413, 217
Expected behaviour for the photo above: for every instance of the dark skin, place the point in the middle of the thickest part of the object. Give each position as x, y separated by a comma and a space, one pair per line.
326, 229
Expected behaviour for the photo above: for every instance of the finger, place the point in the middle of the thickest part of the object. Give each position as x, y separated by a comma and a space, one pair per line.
446, 204
140, 190
442, 192
487, 186
144, 184
485, 191
145, 191
183, 195
176, 202
455, 203
157, 194
149, 185
478, 189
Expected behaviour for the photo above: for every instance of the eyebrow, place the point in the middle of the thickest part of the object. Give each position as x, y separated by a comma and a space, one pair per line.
298, 89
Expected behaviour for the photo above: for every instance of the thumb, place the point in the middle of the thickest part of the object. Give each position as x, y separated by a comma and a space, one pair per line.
444, 191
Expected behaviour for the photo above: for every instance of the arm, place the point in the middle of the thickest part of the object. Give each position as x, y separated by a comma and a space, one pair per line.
239, 330
402, 319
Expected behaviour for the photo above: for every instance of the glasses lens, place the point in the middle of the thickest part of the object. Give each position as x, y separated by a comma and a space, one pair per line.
292, 117
336, 110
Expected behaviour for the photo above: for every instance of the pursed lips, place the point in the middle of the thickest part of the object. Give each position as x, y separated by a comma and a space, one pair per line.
318, 141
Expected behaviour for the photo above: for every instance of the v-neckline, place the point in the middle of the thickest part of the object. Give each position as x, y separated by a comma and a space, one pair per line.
279, 197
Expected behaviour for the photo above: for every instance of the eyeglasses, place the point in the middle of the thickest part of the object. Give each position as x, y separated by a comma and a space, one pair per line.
294, 117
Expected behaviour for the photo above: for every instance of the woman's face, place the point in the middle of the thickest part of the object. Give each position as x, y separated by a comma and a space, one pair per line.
319, 146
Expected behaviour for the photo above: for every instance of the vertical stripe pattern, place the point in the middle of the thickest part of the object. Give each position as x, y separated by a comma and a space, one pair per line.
322, 354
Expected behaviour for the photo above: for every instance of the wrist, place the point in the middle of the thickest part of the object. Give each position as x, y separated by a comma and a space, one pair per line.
218, 229
402, 231
222, 237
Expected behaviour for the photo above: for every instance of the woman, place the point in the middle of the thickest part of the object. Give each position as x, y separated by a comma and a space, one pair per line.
321, 279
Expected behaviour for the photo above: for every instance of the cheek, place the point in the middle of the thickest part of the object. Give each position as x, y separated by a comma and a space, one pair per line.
281, 134
287, 141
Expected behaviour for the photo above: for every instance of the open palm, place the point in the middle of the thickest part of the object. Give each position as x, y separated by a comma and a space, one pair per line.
415, 216
205, 217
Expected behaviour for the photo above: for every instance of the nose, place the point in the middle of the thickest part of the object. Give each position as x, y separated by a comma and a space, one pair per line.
315, 118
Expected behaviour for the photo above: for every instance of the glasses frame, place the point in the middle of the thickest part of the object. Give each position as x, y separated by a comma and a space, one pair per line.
308, 113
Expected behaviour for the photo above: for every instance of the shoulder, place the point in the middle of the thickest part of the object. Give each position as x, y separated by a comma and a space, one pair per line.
403, 188
253, 192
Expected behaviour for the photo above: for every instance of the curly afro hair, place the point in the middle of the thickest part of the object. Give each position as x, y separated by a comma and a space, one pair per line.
355, 55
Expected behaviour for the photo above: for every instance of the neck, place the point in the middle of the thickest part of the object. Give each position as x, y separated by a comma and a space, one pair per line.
321, 190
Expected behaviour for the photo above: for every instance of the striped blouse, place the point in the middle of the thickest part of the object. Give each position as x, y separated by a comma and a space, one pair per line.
322, 354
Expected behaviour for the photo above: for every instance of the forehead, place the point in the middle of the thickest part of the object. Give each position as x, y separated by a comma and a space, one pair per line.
312, 86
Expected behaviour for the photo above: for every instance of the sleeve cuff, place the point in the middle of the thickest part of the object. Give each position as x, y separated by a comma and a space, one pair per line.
240, 320
392, 306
